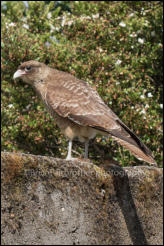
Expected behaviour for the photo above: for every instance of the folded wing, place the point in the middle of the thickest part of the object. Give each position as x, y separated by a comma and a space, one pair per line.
76, 100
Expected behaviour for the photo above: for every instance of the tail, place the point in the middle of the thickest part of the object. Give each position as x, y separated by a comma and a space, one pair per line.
136, 151
130, 141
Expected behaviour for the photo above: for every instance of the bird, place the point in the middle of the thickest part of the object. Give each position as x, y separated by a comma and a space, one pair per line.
78, 109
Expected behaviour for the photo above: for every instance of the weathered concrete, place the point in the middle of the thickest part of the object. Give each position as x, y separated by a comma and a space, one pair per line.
48, 201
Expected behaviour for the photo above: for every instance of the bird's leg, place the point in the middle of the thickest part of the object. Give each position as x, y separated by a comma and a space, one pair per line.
69, 157
86, 149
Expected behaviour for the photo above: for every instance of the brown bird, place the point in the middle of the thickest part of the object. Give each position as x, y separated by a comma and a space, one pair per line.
78, 109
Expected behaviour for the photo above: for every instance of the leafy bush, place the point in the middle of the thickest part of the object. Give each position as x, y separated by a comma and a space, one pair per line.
115, 46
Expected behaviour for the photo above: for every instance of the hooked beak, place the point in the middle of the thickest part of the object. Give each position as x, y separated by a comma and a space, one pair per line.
18, 73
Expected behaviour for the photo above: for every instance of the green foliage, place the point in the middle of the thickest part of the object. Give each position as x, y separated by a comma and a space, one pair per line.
114, 46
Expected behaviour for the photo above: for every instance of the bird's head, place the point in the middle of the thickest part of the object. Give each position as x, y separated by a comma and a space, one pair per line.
31, 71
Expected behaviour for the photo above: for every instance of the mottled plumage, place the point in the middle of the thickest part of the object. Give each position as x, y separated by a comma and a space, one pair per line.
78, 109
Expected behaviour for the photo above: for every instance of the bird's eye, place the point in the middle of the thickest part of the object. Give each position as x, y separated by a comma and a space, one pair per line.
28, 68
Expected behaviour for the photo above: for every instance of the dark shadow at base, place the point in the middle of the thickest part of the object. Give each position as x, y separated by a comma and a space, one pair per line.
127, 205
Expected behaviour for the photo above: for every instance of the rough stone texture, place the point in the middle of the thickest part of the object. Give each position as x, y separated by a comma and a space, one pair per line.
48, 201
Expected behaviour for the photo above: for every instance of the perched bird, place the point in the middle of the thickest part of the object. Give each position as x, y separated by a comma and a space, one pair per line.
78, 109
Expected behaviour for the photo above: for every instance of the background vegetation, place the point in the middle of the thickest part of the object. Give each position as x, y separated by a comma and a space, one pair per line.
115, 46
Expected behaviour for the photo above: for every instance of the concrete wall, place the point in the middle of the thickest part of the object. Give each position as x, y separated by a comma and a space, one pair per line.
48, 201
